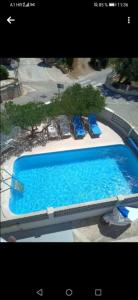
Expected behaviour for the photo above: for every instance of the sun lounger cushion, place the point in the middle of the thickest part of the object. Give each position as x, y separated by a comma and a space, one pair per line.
124, 211
78, 126
93, 126
96, 130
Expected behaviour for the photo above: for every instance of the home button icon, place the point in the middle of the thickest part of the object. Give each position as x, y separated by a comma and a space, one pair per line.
69, 292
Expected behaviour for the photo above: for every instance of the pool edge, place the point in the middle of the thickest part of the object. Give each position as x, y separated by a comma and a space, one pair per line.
61, 215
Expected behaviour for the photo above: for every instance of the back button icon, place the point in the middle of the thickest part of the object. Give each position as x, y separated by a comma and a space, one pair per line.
40, 292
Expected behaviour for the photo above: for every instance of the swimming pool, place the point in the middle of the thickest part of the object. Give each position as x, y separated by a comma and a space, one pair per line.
76, 176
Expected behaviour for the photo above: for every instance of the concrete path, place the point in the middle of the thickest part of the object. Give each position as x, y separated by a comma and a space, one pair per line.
128, 240
95, 230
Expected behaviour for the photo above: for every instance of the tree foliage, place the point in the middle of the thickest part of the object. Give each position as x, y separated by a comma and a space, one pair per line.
79, 100
126, 67
99, 63
74, 100
67, 62
27, 116
4, 74
134, 69
5, 124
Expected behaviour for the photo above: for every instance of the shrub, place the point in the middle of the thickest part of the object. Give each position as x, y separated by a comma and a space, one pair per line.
4, 74
80, 100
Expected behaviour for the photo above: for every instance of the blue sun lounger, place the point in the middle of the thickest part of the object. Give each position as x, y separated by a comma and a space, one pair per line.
93, 126
79, 130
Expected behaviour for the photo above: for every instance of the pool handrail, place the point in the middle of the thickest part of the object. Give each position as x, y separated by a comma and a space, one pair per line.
17, 185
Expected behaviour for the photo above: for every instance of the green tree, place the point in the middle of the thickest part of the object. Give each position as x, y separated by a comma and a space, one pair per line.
27, 116
65, 62
79, 100
104, 62
125, 67
5, 124
134, 69
99, 62
69, 62
4, 74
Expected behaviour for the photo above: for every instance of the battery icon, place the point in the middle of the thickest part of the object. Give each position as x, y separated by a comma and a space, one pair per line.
112, 4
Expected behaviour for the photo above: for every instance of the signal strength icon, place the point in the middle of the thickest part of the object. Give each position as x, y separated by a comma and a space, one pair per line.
28, 4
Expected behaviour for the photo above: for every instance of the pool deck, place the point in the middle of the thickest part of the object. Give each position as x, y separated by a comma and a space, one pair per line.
95, 230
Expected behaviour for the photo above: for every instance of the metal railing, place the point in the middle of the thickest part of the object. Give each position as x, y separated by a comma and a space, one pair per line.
17, 184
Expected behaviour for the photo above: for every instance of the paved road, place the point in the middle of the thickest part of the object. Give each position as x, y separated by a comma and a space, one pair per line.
41, 84
127, 107
32, 70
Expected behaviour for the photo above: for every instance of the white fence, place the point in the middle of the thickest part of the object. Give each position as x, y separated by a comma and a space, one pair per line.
124, 128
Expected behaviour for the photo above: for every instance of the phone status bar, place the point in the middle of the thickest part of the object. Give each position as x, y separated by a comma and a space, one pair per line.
110, 4
22, 4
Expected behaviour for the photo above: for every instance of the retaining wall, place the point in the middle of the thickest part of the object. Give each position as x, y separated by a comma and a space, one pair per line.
10, 91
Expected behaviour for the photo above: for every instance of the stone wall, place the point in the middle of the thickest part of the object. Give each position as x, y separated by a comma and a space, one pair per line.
10, 91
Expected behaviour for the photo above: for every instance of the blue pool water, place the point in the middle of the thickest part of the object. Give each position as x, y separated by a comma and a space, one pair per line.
71, 177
